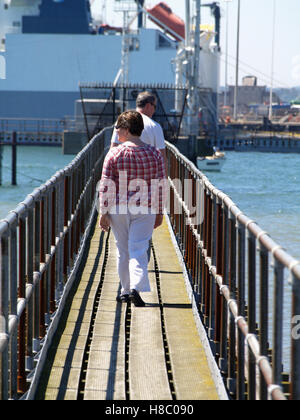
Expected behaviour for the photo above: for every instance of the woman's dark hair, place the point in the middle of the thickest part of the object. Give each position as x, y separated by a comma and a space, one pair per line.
133, 121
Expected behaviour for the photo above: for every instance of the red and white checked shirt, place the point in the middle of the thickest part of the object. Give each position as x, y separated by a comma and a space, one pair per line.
133, 176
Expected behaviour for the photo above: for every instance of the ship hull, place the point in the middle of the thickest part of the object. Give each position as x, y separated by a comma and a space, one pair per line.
42, 104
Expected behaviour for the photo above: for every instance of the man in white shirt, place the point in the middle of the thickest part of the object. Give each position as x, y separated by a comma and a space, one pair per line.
146, 103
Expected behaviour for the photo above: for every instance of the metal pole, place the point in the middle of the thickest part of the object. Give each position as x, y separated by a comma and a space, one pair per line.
237, 62
197, 45
195, 79
226, 62
187, 59
125, 49
22, 386
14, 159
272, 71
140, 14
188, 22
278, 322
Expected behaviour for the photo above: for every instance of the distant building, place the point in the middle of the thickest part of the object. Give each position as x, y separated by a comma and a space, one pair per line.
250, 93
250, 81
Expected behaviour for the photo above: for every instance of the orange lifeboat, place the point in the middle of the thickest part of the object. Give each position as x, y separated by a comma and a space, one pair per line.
164, 14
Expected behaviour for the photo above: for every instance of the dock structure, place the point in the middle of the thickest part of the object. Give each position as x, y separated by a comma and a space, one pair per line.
108, 351
208, 330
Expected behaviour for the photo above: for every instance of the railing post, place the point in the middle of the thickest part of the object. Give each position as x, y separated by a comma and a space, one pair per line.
13, 290
278, 323
4, 292
231, 381
264, 311
241, 310
22, 386
72, 200
53, 244
75, 215
199, 204
43, 210
84, 206
80, 214
36, 267
60, 230
224, 311
212, 314
30, 310
295, 341
204, 286
207, 247
66, 225
251, 312
219, 266
48, 233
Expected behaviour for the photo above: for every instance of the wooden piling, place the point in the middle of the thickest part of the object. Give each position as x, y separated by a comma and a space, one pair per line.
14, 159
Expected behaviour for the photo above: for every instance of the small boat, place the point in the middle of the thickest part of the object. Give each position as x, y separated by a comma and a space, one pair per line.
212, 163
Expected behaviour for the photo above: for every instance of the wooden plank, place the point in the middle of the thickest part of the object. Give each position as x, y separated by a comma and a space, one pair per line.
148, 377
192, 377
67, 359
60, 384
105, 379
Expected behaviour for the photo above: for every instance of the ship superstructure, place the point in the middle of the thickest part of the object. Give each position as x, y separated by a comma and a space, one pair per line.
48, 47
12, 13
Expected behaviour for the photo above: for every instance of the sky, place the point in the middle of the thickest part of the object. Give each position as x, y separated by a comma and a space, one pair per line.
256, 37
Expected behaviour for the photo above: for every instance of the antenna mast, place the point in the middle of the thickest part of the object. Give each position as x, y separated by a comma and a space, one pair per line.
126, 7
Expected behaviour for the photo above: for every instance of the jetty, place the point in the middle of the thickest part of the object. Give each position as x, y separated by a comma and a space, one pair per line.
208, 331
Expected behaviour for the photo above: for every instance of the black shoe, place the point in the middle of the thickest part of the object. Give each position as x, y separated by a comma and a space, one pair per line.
136, 298
122, 298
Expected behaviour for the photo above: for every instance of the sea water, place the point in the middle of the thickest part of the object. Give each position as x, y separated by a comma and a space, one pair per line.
266, 187
35, 165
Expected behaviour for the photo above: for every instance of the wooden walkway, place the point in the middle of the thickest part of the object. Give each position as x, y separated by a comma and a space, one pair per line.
107, 351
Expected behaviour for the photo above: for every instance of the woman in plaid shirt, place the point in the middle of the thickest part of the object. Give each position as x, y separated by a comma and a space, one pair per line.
132, 196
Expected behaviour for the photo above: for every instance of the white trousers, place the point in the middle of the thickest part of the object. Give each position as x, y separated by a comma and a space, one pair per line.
132, 234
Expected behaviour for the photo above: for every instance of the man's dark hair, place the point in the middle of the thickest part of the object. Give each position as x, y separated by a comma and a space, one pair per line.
133, 121
145, 98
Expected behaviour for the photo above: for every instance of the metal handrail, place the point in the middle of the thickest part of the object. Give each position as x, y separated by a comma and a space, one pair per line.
40, 239
39, 243
32, 125
220, 245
